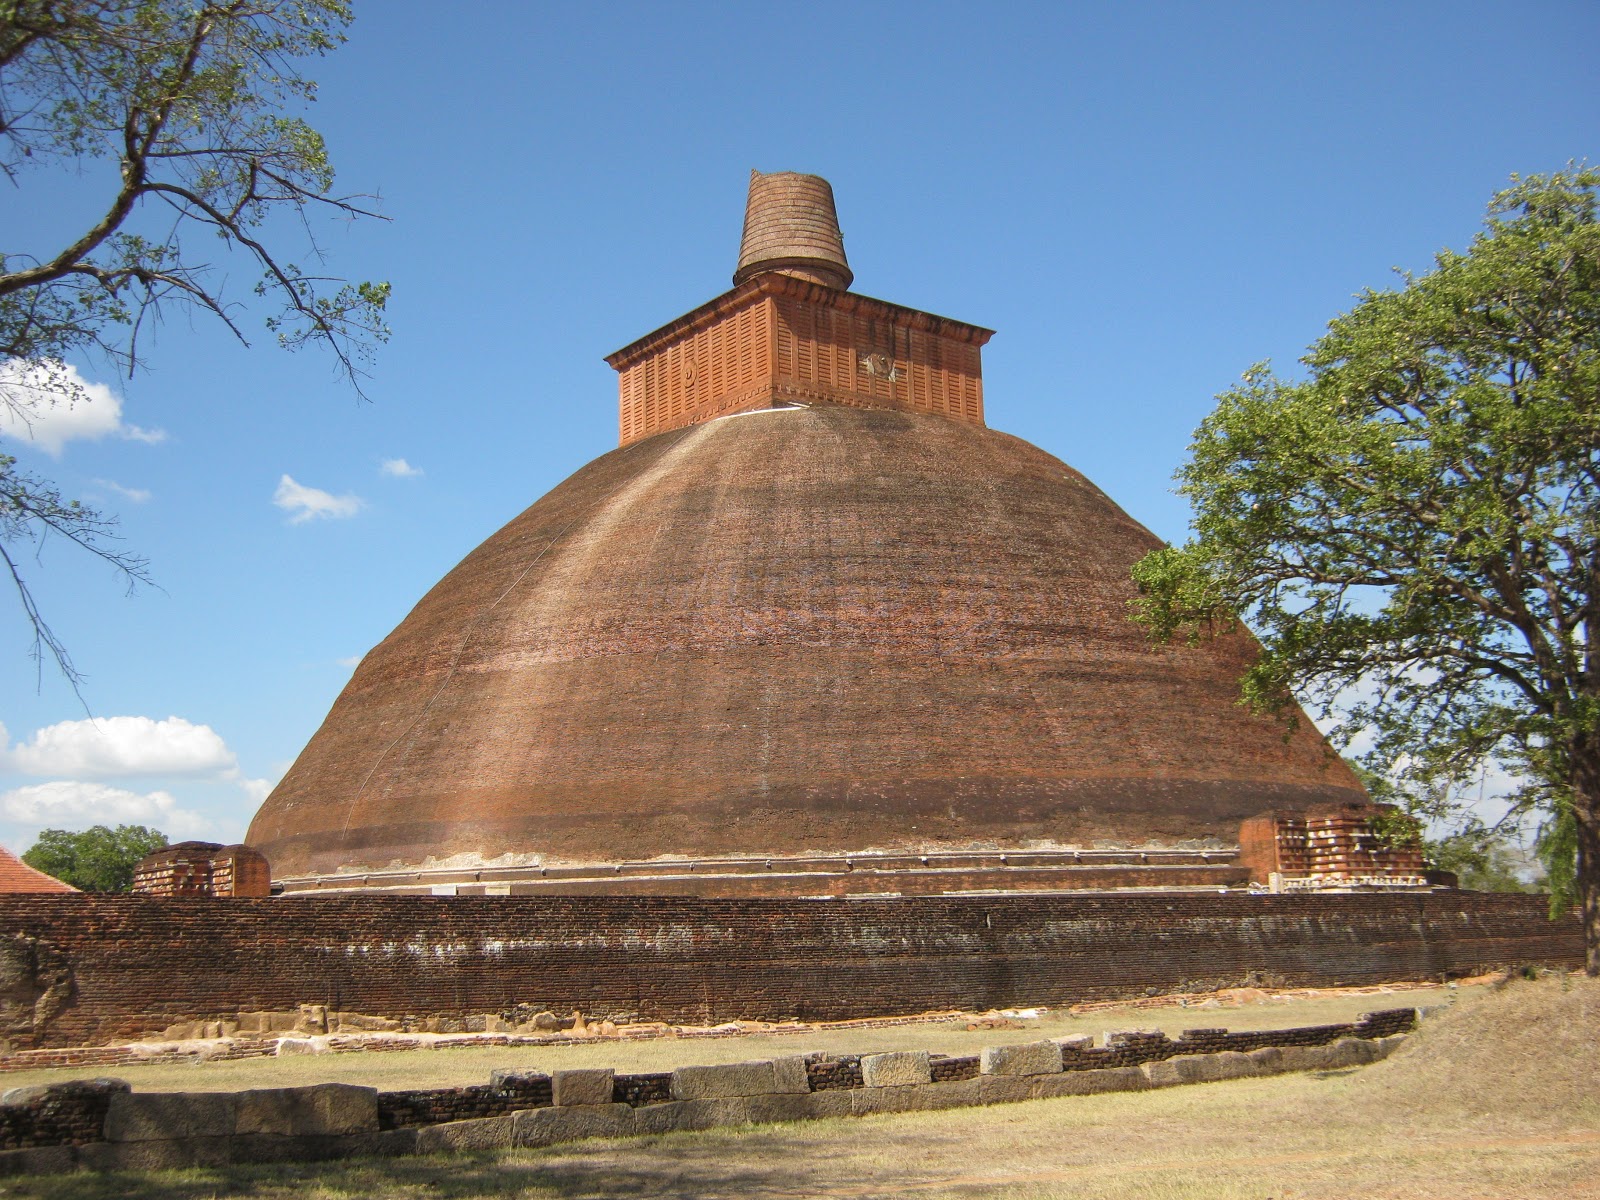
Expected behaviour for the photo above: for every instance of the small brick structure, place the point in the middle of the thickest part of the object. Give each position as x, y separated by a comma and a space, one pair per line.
1330, 847
203, 869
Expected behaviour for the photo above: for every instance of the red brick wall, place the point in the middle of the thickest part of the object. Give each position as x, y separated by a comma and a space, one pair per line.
140, 963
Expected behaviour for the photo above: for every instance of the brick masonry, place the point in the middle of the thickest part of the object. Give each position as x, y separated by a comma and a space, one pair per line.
123, 967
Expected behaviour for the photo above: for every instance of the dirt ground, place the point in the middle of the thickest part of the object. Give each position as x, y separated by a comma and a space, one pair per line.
1495, 1099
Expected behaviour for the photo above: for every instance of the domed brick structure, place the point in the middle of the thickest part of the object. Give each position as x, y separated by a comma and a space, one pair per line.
812, 619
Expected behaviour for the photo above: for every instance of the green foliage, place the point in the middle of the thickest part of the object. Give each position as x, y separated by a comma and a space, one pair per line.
1412, 530
1482, 860
96, 860
1557, 848
185, 114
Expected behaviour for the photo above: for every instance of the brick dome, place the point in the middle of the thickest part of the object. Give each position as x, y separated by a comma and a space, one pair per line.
784, 632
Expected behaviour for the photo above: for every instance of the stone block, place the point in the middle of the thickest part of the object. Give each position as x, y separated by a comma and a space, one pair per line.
1388, 1045
1232, 1064
789, 1074
1004, 1089
780, 1106
387, 1143
926, 1097
296, 1045
37, 1160
319, 1110
1355, 1052
1307, 1058
1082, 1041
572, 1123
1088, 1083
485, 1133
162, 1116
1268, 1060
167, 1155
672, 1117
901, 1068
1021, 1058
723, 1081
1166, 1072
833, 1103
585, 1086
273, 1148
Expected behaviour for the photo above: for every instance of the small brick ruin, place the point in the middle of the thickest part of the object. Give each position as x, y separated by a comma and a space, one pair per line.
203, 869
1330, 848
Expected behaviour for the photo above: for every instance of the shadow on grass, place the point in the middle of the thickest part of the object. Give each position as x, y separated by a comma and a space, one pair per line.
594, 1171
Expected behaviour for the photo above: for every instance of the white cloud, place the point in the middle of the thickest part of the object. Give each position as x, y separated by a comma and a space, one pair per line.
121, 746
399, 468
137, 495
307, 502
78, 804
352, 661
49, 404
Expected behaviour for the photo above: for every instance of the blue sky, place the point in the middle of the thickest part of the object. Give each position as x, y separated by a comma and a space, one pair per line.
1142, 199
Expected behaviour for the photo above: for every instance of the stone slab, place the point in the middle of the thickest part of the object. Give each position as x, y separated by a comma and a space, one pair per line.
37, 1160
1021, 1058
273, 1148
571, 1123
926, 1097
901, 1068
172, 1155
781, 1106
789, 1074
1004, 1089
724, 1081
1268, 1060
1088, 1083
318, 1110
483, 1133
836, 1102
162, 1116
583, 1086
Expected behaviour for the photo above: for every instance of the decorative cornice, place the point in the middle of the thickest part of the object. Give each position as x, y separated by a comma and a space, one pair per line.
785, 285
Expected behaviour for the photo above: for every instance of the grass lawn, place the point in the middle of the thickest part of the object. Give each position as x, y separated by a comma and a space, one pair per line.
1495, 1099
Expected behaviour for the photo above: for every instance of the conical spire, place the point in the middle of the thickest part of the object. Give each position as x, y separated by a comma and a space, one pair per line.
791, 228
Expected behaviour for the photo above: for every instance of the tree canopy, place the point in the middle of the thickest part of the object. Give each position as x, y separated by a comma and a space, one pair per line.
98, 859
1413, 529
184, 116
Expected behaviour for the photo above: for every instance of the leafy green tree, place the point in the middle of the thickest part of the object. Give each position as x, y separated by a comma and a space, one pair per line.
1413, 529
182, 114
96, 860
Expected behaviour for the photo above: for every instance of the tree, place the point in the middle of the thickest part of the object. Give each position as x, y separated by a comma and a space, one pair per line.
98, 859
1413, 529
182, 112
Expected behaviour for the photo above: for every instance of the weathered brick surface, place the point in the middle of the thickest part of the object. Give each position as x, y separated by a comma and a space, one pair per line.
68, 1114
826, 628
139, 964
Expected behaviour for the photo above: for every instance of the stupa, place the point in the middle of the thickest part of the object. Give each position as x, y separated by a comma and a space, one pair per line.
812, 629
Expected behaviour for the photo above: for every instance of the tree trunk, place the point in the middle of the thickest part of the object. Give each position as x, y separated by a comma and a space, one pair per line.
1586, 811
